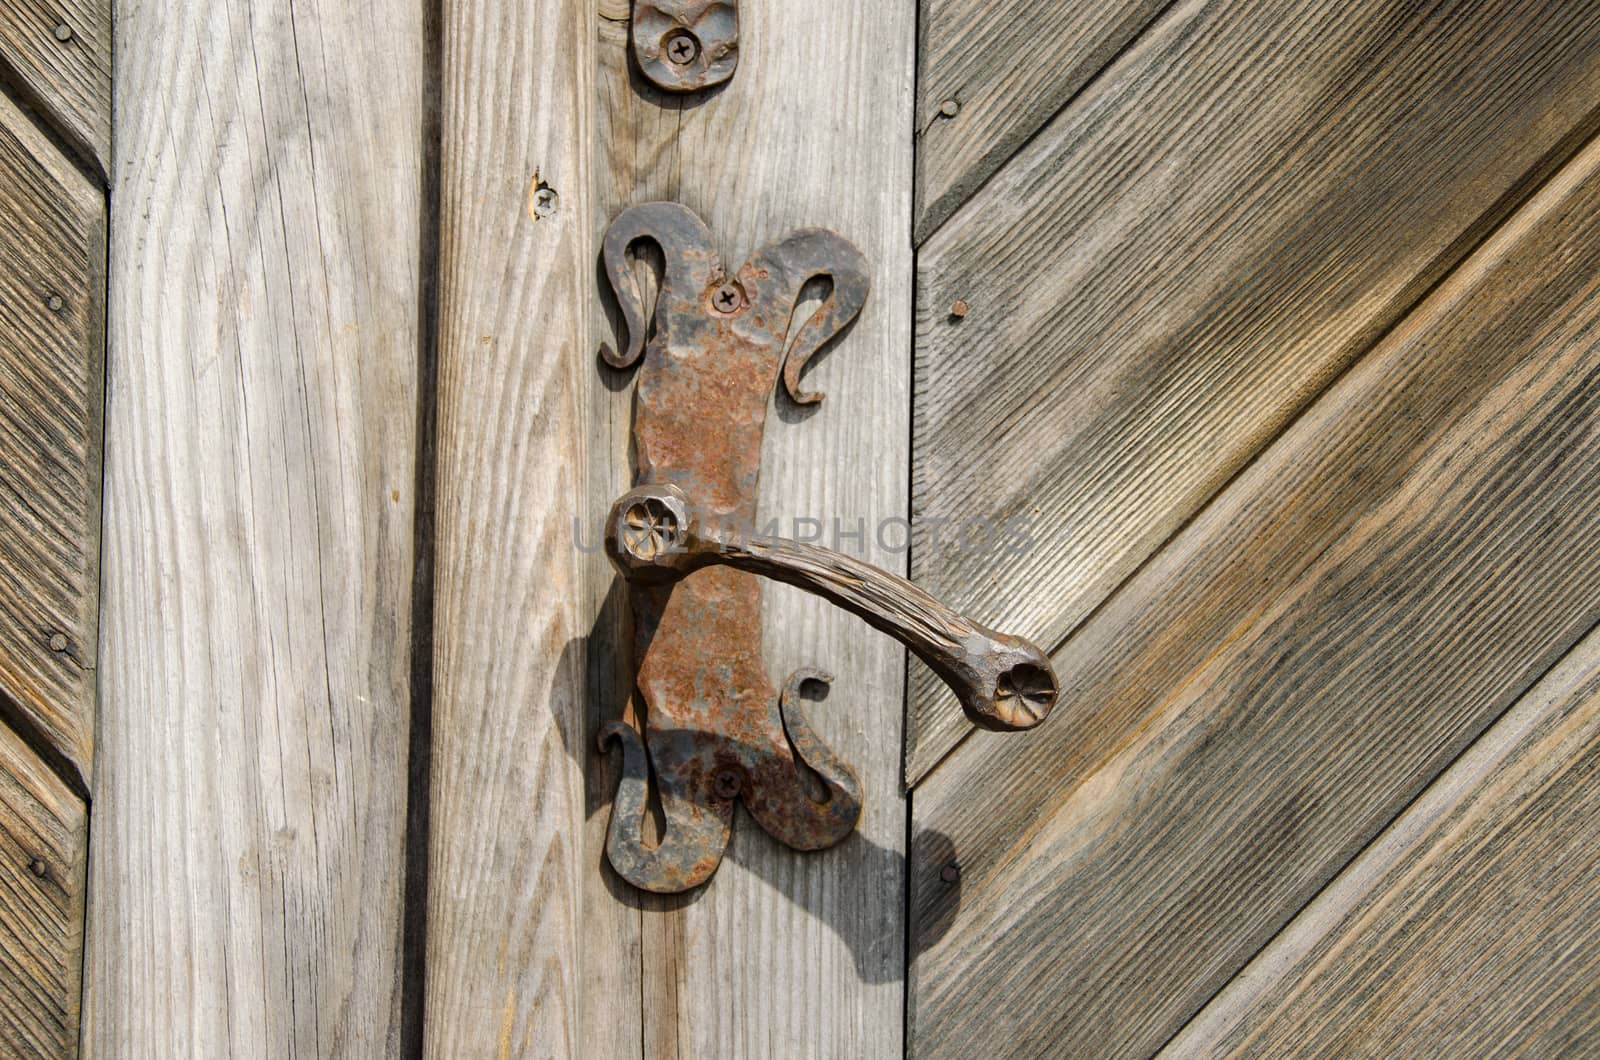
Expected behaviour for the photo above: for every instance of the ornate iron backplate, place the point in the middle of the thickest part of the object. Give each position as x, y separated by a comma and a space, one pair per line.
716, 730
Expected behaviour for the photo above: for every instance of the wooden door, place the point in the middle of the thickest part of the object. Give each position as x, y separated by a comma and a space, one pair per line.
1271, 326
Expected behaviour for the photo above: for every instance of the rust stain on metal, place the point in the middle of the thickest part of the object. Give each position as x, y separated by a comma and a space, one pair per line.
716, 731
686, 45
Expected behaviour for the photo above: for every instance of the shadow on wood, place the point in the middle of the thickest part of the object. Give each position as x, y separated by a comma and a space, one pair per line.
868, 861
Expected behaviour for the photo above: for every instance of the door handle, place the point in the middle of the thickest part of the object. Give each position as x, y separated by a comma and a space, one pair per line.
715, 729
1004, 683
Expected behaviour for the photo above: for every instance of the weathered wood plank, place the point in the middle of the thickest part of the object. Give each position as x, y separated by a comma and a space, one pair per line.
1186, 256
1266, 694
785, 953
52, 359
44, 838
519, 918
1470, 927
1007, 66
58, 54
250, 791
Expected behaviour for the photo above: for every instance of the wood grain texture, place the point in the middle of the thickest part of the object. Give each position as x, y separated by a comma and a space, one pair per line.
1470, 927
1186, 256
518, 912
250, 792
1008, 66
44, 835
52, 359
70, 80
1309, 653
786, 953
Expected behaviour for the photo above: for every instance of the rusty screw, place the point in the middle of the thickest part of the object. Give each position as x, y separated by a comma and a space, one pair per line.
959, 310
728, 298
682, 49
950, 873
728, 784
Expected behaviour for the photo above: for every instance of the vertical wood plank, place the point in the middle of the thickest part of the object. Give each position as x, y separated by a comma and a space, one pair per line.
52, 359
247, 849
522, 935
44, 837
785, 953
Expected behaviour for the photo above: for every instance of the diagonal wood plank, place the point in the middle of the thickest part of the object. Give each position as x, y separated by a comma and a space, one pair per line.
1259, 701
44, 834
1470, 927
785, 953
52, 358
57, 53
524, 941
1186, 256
262, 405
991, 73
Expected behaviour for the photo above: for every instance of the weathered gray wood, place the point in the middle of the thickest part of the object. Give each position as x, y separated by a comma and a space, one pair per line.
1470, 927
44, 838
70, 79
52, 358
528, 953
786, 953
1270, 690
250, 791
1007, 66
1186, 256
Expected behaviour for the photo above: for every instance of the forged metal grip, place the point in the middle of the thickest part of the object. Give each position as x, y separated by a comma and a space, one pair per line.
654, 535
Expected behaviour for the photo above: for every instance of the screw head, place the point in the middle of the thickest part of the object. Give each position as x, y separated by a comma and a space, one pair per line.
38, 867
544, 201
950, 108
55, 303
58, 642
63, 32
728, 298
682, 48
950, 873
959, 310
728, 783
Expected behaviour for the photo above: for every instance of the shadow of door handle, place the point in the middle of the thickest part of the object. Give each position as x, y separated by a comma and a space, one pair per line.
655, 534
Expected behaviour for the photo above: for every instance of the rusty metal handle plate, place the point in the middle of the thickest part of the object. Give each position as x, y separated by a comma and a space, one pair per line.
686, 45
715, 729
